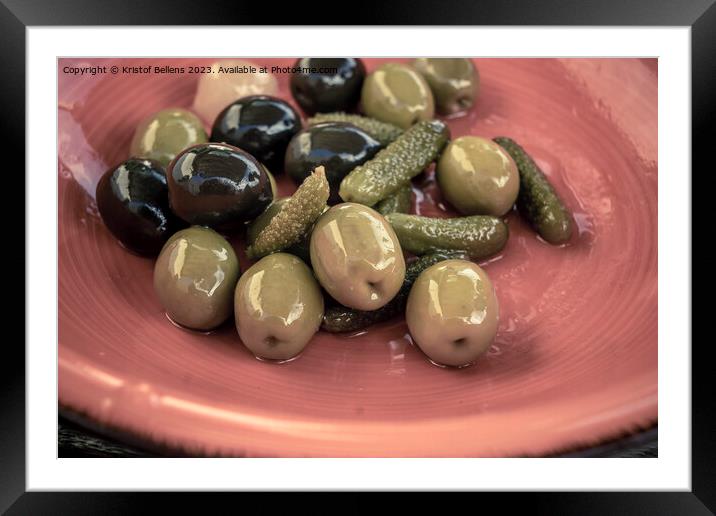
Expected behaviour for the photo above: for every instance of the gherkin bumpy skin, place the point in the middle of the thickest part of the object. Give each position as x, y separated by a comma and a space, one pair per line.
295, 217
399, 202
257, 226
339, 319
479, 235
395, 165
537, 200
384, 132
259, 223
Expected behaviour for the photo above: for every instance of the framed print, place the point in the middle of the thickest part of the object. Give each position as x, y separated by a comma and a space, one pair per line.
457, 261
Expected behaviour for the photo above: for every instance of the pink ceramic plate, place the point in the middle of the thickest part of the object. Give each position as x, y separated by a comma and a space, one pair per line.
575, 359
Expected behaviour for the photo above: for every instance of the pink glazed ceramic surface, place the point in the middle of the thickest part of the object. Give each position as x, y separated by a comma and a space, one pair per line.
575, 359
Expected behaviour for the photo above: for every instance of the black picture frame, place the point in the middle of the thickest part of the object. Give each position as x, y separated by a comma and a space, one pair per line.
17, 15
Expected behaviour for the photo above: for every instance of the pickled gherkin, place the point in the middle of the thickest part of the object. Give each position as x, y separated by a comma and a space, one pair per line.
254, 229
537, 200
295, 217
479, 236
399, 202
338, 318
384, 132
394, 166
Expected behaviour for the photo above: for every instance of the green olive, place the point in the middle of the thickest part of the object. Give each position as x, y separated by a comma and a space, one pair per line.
397, 94
452, 312
455, 82
478, 177
195, 276
357, 257
278, 307
165, 134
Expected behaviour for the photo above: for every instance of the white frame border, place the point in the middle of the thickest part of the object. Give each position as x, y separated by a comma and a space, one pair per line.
671, 471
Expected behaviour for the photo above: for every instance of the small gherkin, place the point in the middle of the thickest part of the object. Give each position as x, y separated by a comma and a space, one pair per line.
537, 200
396, 165
294, 218
383, 132
399, 202
257, 226
478, 235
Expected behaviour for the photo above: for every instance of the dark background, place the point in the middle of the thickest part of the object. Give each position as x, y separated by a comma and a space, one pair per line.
16, 14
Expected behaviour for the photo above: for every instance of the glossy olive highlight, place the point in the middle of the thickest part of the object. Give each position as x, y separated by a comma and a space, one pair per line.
357, 257
339, 147
132, 199
195, 276
452, 312
165, 134
455, 82
397, 94
261, 125
326, 84
278, 307
478, 177
218, 185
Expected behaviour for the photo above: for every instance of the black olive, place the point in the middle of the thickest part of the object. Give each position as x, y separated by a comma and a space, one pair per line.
217, 185
336, 87
132, 201
259, 124
338, 146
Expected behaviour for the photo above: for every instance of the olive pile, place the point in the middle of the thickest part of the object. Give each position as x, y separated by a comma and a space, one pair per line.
330, 256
